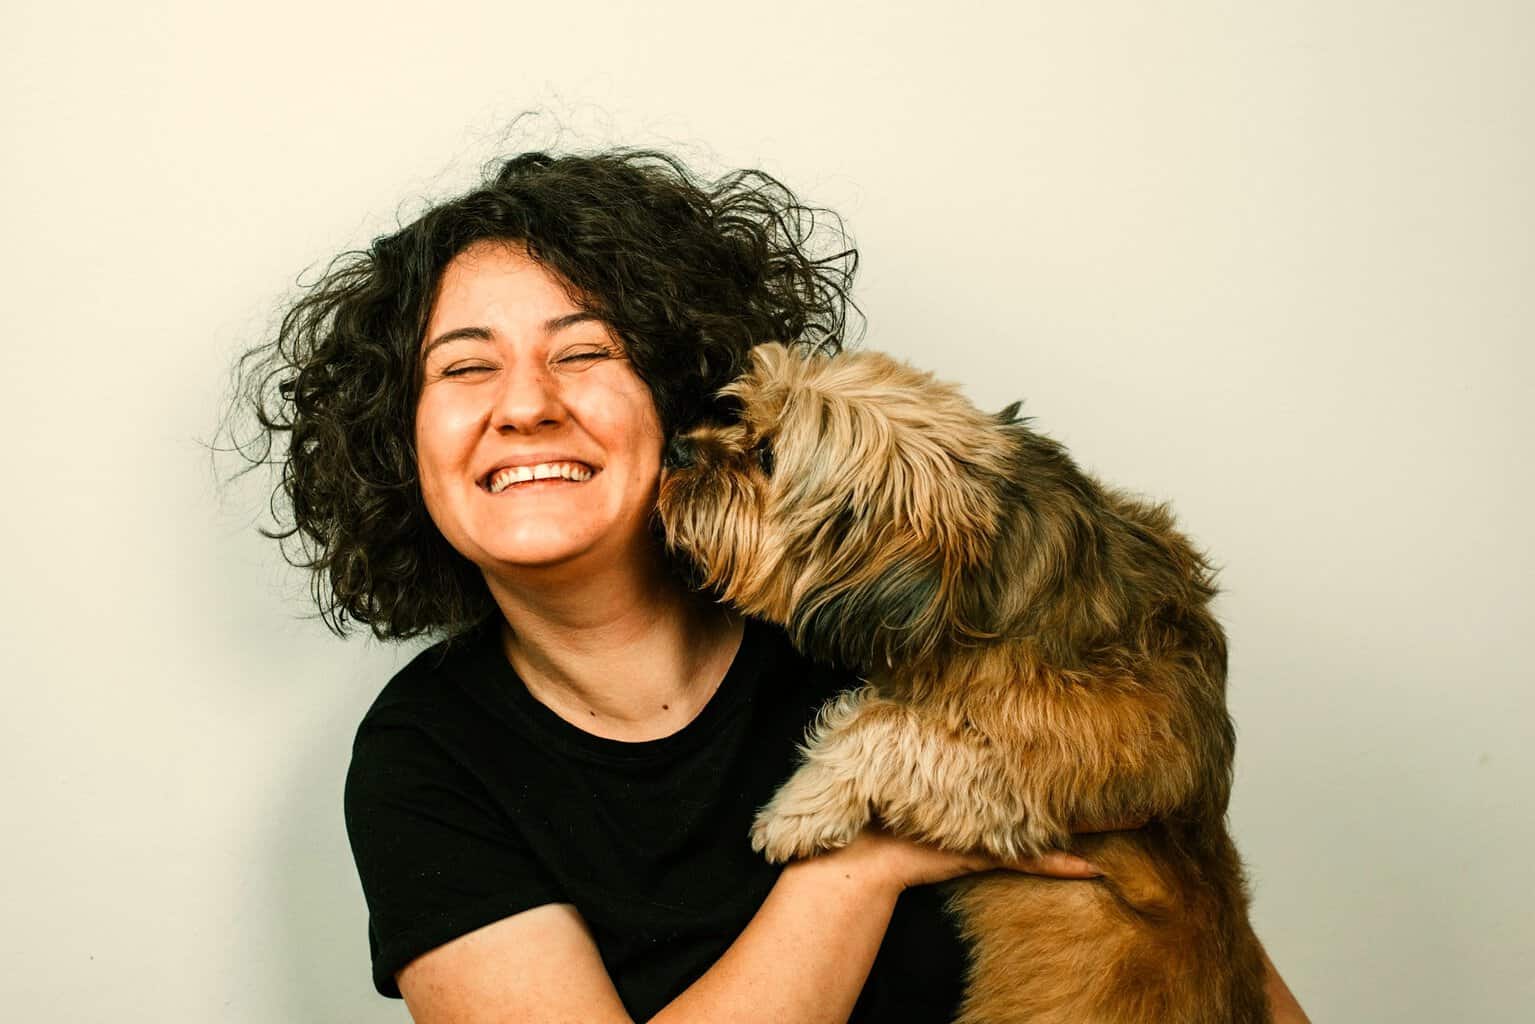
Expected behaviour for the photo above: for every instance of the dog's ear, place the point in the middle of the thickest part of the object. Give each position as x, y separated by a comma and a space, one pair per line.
896, 614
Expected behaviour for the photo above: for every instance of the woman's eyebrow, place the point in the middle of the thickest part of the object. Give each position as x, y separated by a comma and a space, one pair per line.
553, 324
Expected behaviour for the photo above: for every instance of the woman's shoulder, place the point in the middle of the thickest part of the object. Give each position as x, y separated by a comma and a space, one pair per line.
426, 677
424, 703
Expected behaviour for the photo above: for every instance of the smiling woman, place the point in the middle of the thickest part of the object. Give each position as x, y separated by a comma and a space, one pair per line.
679, 275
549, 807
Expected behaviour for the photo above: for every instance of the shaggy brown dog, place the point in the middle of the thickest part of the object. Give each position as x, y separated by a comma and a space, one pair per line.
1038, 651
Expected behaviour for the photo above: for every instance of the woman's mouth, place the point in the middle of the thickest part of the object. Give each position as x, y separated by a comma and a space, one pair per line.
514, 476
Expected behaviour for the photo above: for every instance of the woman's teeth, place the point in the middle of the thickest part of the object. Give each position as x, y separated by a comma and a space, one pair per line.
505, 478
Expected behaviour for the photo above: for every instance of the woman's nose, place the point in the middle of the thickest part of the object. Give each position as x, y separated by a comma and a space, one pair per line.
525, 402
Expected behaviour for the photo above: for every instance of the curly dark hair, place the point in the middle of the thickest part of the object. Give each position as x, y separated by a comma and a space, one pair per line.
689, 273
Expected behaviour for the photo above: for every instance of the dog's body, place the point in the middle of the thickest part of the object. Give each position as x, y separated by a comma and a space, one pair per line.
1038, 651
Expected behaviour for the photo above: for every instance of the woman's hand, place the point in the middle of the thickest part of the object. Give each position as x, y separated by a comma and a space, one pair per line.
904, 863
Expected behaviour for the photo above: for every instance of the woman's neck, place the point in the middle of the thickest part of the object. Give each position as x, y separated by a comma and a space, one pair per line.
628, 653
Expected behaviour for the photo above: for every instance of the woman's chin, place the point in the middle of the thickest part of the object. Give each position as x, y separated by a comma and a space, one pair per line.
538, 554
542, 543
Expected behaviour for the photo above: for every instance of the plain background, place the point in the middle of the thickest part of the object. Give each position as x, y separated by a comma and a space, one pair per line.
1269, 261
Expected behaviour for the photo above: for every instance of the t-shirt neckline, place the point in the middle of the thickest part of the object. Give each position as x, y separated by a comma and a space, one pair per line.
494, 675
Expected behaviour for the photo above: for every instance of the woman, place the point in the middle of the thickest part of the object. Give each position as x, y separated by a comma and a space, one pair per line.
549, 807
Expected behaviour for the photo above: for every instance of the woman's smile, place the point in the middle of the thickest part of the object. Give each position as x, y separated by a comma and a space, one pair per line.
518, 476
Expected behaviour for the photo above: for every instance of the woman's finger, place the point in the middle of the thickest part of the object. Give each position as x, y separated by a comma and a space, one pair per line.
1057, 864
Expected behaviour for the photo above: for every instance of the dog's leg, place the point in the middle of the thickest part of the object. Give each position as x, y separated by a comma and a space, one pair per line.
872, 757
824, 804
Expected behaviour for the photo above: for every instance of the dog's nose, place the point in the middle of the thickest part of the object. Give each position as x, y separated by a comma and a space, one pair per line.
679, 453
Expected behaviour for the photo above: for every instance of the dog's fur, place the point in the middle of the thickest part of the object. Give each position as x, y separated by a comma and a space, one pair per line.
1039, 652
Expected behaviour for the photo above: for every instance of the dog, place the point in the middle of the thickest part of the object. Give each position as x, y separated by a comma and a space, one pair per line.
1036, 649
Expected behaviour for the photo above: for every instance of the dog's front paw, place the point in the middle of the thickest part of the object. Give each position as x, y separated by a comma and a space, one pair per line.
785, 837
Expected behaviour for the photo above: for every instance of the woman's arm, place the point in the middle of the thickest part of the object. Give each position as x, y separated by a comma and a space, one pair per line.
802, 959
1282, 1001
806, 954
540, 966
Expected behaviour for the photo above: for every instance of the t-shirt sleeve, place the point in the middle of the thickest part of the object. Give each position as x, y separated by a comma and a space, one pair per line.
436, 856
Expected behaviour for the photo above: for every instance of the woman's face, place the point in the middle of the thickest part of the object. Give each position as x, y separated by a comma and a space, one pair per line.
516, 377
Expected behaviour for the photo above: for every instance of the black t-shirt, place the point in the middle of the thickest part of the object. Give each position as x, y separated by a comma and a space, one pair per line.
467, 801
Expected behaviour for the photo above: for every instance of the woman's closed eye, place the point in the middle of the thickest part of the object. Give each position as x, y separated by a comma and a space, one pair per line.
464, 369
586, 355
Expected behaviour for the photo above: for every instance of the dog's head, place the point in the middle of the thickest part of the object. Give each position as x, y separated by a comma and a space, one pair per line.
848, 500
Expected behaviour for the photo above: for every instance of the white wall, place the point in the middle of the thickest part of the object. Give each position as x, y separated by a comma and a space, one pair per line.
1271, 261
